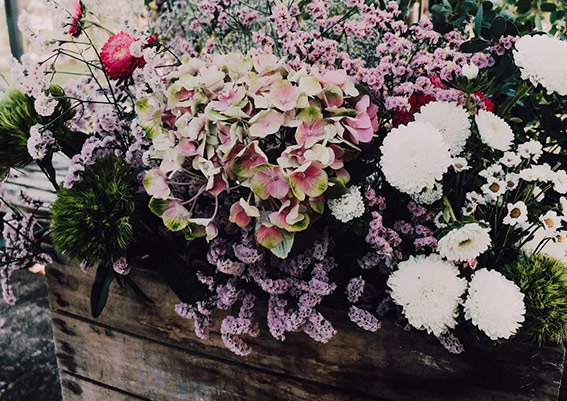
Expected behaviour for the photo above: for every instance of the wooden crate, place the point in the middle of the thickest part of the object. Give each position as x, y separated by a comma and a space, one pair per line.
141, 351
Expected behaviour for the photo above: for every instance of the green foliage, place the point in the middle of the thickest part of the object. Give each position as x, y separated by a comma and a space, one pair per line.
95, 220
18, 115
543, 281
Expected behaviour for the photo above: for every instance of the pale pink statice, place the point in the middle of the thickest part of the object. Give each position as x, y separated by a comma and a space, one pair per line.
40, 142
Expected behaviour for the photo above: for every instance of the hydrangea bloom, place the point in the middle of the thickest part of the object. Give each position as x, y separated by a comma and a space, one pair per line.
429, 291
494, 304
253, 127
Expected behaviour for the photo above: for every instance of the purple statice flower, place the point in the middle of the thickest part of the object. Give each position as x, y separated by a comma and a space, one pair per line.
355, 289
202, 316
232, 327
364, 319
451, 343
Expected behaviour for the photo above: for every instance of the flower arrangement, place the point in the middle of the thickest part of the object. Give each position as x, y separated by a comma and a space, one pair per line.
326, 155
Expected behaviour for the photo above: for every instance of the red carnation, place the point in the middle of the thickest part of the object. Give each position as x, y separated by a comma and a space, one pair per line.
116, 58
416, 100
76, 11
486, 103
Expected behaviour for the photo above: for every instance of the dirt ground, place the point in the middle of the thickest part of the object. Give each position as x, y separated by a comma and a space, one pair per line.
28, 370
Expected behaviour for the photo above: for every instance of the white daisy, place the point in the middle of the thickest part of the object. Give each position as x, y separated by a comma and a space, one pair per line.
512, 181
429, 291
475, 197
348, 207
494, 170
563, 204
450, 119
510, 159
460, 164
530, 150
494, 304
414, 157
469, 209
551, 221
541, 172
545, 243
493, 189
541, 59
517, 214
465, 243
559, 179
494, 131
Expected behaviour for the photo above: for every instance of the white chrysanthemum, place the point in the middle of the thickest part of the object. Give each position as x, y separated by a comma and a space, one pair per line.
465, 243
414, 156
494, 304
429, 291
541, 60
450, 119
348, 207
494, 131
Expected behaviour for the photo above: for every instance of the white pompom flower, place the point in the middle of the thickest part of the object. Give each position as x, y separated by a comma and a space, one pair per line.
414, 157
450, 119
429, 291
541, 59
494, 131
348, 207
494, 304
465, 243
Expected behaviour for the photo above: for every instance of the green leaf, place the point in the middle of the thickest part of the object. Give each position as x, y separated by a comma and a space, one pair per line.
474, 46
548, 7
498, 28
283, 249
99, 291
179, 275
478, 20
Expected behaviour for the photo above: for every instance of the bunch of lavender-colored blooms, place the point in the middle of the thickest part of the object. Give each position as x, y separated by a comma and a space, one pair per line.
436, 195
376, 46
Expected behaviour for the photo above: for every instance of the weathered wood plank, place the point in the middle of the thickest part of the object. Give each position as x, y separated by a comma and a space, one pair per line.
391, 364
161, 372
75, 388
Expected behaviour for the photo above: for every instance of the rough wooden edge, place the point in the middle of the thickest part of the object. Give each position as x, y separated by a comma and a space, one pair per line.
78, 388
159, 371
196, 346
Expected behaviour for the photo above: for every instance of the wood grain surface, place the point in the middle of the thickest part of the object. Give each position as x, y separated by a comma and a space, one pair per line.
391, 364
